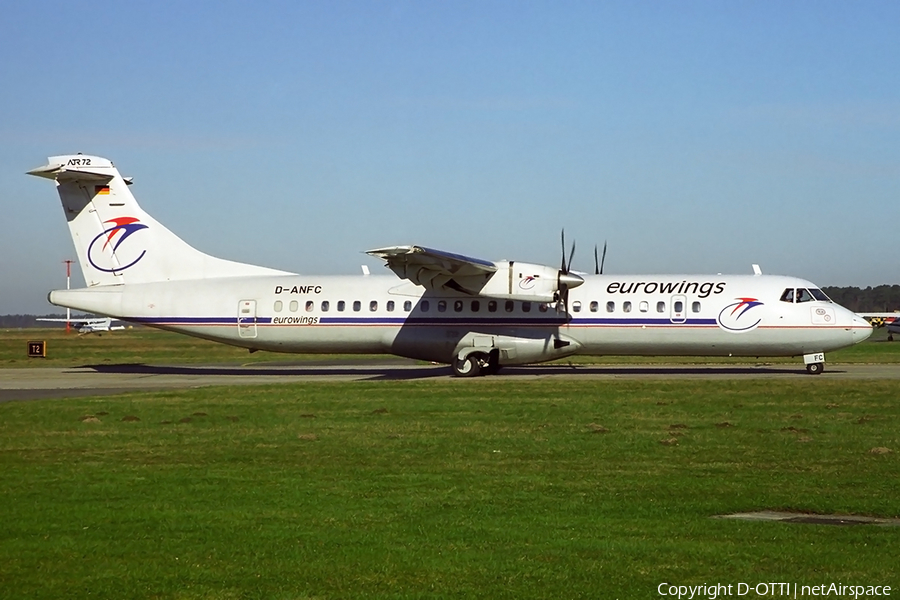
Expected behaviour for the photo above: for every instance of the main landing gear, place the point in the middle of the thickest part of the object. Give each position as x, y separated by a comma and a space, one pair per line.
477, 363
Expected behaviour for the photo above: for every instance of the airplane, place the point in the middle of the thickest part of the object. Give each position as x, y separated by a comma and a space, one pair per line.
83, 326
475, 315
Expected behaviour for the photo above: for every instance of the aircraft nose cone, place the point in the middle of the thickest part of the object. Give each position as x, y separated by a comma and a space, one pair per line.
862, 329
569, 280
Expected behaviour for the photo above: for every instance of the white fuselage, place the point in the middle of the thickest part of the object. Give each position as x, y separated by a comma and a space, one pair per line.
623, 315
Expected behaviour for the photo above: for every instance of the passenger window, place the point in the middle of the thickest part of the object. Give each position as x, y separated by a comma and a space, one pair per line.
325, 305
594, 305
341, 305
476, 305
390, 306
457, 305
576, 306
309, 305
678, 306
442, 305
492, 306
526, 307
357, 305
407, 306
373, 305
278, 306
787, 295
644, 306
425, 305
610, 307
660, 307
543, 307
293, 306
509, 306
695, 307
626, 306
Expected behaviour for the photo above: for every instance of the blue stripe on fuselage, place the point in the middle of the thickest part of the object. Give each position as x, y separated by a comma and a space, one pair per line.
434, 321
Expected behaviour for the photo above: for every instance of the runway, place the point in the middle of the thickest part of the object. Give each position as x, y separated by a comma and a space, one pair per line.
47, 383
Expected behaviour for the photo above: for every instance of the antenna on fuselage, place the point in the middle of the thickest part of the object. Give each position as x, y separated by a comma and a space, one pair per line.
757, 270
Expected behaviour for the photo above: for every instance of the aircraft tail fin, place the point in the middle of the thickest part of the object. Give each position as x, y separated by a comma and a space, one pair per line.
116, 241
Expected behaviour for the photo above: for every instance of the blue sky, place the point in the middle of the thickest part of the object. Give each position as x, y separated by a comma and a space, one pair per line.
696, 137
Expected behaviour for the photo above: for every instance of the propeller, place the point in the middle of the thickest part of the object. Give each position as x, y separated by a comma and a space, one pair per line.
566, 279
598, 265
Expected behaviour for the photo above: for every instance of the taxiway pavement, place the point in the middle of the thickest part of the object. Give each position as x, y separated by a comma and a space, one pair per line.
46, 383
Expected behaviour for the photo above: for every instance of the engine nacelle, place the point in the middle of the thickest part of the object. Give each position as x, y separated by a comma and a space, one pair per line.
527, 282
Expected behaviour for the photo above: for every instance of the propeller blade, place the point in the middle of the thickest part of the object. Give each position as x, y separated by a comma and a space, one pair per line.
596, 261
571, 255
603, 260
562, 238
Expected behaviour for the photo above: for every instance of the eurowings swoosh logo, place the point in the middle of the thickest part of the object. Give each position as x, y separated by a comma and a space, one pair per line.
739, 316
108, 242
527, 282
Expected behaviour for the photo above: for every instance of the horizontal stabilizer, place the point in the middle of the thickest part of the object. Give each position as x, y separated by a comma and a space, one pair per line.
77, 167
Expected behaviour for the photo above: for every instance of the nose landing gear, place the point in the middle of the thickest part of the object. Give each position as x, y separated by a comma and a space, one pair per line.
815, 368
815, 363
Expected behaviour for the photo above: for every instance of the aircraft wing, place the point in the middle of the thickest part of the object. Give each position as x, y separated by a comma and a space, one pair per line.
435, 269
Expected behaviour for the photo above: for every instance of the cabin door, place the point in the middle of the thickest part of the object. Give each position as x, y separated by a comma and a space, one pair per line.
247, 319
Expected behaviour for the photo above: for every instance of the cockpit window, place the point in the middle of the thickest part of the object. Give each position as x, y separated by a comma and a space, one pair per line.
819, 295
788, 295
803, 295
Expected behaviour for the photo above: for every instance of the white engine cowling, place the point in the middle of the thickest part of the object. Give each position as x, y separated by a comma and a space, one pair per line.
528, 282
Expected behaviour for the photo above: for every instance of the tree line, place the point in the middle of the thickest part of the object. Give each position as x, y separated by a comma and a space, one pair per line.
881, 298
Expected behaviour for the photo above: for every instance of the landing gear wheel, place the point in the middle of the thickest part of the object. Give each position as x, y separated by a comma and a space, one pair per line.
470, 366
815, 368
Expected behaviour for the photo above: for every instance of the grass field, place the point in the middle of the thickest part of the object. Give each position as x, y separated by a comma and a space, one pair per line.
150, 346
485, 488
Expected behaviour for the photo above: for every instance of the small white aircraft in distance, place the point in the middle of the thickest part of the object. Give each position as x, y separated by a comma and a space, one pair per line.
101, 325
476, 315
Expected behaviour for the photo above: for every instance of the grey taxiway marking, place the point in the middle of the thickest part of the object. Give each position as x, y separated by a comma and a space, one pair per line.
36, 383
